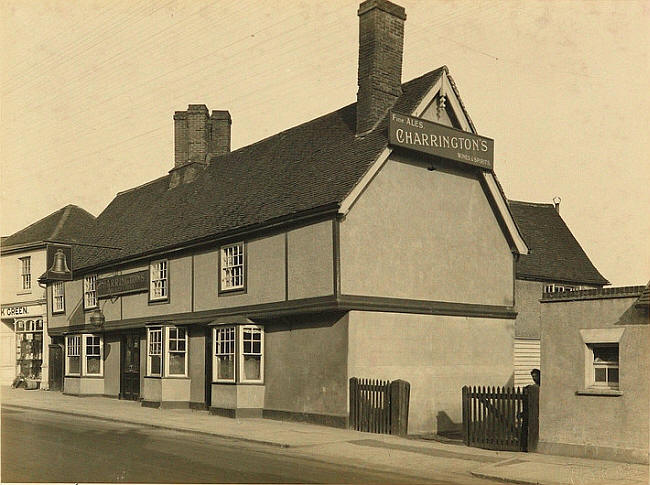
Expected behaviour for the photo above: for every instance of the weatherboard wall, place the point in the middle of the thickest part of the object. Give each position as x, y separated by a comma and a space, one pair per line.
427, 235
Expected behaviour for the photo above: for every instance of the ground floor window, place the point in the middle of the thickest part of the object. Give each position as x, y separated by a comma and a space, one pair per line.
83, 355
605, 365
29, 348
167, 351
238, 354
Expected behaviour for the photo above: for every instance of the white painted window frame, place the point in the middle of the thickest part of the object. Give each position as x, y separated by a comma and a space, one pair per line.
596, 337
58, 297
90, 292
227, 265
85, 355
167, 351
216, 354
73, 349
159, 280
242, 377
159, 331
25, 268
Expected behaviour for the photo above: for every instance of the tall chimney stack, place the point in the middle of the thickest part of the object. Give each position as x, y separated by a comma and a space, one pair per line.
381, 44
198, 135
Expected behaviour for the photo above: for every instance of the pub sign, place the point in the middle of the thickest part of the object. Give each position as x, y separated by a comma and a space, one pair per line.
122, 284
58, 262
440, 140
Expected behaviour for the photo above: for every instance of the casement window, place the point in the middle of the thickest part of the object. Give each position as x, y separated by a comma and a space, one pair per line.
154, 351
25, 273
604, 366
159, 281
232, 268
58, 297
176, 355
73, 355
92, 355
238, 354
224, 363
90, 291
601, 350
555, 288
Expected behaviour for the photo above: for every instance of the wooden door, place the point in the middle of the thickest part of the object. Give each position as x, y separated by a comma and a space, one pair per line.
55, 380
130, 367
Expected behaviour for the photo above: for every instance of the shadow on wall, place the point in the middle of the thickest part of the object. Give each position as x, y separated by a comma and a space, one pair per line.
77, 316
448, 428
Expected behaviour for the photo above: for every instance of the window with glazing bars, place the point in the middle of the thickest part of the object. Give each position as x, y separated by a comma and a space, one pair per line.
232, 267
58, 297
224, 368
93, 354
154, 354
90, 292
26, 273
177, 345
251, 354
73, 351
159, 287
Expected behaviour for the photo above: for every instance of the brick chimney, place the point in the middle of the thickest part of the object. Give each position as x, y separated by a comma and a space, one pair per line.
381, 44
198, 136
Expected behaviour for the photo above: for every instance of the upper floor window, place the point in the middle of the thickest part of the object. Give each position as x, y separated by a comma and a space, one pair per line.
90, 291
58, 297
232, 267
159, 282
25, 273
555, 288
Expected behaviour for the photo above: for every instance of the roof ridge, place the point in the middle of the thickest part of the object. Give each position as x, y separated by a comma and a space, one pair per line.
59, 225
122, 192
532, 204
35, 223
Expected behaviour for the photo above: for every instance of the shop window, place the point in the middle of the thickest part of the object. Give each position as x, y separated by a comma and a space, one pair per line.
604, 366
176, 351
25, 273
238, 354
159, 282
73, 355
58, 297
232, 267
93, 355
90, 291
29, 347
154, 351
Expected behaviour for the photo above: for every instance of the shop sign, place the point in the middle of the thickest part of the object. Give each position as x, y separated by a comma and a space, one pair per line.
59, 263
17, 311
122, 284
440, 140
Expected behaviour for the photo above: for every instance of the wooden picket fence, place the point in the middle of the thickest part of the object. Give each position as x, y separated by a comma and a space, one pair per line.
498, 418
370, 405
378, 406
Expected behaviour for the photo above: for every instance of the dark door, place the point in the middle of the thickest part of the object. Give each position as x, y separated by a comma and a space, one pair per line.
130, 368
55, 380
208, 367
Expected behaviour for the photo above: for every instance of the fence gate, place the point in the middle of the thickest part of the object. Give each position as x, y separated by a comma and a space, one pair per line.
500, 418
370, 405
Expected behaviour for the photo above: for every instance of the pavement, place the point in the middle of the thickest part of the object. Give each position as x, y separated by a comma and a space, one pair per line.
428, 459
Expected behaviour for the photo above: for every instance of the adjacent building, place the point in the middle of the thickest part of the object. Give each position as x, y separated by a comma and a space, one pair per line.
595, 392
555, 263
256, 282
23, 342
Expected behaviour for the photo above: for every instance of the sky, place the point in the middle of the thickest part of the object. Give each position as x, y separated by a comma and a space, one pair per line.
88, 90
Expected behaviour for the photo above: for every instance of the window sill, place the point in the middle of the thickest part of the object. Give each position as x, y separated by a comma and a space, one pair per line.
159, 301
599, 392
24, 292
176, 377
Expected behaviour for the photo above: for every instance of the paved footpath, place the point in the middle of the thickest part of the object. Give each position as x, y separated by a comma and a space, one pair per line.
424, 458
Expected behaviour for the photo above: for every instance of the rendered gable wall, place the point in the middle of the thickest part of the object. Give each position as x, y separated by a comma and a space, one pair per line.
428, 235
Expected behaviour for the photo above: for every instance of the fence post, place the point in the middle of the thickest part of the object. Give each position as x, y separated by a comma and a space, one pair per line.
465, 417
353, 403
399, 399
532, 395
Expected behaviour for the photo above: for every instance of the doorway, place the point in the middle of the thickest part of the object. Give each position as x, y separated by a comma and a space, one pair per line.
208, 367
55, 381
130, 367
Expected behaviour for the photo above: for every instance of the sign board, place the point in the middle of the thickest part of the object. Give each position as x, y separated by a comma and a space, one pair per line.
122, 284
59, 262
13, 311
440, 140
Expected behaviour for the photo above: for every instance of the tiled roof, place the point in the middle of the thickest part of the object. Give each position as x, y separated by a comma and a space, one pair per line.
69, 224
313, 165
554, 253
644, 299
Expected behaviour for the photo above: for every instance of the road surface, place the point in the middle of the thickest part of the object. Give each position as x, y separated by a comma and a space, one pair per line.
38, 446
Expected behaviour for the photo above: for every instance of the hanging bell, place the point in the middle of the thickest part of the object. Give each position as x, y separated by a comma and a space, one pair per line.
60, 265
